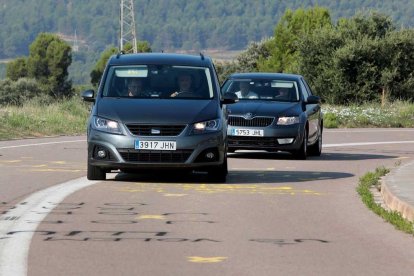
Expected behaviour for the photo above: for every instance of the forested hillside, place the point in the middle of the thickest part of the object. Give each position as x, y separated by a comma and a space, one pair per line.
167, 24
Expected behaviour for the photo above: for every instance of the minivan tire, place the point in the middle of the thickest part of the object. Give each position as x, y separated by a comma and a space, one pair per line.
95, 173
218, 174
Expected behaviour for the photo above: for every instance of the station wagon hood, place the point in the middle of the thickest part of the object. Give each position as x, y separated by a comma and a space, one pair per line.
156, 111
265, 108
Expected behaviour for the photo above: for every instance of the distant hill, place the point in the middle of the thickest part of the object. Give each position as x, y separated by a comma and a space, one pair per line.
167, 24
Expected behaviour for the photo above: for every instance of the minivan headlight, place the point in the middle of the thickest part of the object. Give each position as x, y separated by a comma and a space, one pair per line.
206, 126
285, 121
106, 125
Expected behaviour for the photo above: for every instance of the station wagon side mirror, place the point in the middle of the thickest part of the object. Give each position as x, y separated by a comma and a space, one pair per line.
313, 100
88, 96
229, 98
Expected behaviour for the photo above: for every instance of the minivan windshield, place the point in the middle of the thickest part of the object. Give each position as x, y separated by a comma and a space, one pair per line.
158, 81
263, 89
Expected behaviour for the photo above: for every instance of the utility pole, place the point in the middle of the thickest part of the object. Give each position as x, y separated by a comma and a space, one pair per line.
127, 23
75, 46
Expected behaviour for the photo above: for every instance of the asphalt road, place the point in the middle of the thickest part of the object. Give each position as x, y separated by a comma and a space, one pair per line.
274, 216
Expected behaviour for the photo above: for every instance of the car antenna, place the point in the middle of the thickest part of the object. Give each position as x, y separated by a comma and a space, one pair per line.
202, 56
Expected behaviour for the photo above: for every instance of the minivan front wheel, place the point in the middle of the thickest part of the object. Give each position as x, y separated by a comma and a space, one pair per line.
219, 174
95, 173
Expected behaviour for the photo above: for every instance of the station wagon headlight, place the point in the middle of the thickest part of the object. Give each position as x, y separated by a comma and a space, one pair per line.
106, 125
206, 126
285, 121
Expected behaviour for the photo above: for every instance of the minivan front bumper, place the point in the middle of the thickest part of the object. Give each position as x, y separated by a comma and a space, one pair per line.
192, 151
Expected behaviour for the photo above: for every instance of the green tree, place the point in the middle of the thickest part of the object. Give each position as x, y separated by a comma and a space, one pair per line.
96, 74
99, 68
248, 60
360, 59
143, 47
292, 27
17, 69
48, 62
397, 78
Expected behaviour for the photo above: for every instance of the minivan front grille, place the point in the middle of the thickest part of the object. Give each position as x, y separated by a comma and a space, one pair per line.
155, 156
155, 130
254, 122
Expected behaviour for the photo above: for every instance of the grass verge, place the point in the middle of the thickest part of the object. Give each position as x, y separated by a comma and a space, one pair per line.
396, 114
37, 119
370, 180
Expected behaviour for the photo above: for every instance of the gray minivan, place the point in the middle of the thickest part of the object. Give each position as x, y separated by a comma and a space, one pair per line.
158, 111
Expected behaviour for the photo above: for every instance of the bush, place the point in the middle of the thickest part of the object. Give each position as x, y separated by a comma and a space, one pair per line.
330, 120
18, 92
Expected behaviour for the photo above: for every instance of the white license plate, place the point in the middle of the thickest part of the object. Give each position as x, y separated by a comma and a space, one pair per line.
246, 132
155, 145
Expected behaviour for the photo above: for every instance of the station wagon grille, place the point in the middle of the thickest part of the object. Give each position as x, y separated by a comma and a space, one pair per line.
155, 130
254, 142
155, 156
254, 122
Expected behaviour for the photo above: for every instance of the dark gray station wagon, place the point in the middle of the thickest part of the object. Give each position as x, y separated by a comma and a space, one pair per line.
158, 111
276, 112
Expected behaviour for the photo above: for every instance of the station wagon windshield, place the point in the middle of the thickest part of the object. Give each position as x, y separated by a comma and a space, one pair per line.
272, 90
158, 81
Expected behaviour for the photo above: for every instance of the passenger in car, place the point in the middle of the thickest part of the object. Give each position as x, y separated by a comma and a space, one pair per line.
135, 87
245, 92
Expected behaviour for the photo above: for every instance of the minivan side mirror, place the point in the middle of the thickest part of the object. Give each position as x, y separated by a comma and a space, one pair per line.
313, 100
88, 96
229, 98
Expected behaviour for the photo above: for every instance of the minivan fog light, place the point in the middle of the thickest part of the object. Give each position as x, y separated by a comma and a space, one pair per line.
101, 154
285, 141
210, 155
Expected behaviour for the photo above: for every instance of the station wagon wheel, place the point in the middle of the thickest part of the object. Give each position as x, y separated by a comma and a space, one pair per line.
95, 173
316, 149
301, 153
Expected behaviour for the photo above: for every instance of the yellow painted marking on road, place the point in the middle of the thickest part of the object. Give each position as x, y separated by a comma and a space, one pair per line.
276, 188
205, 260
58, 162
174, 189
39, 166
56, 170
270, 169
175, 195
11, 161
151, 217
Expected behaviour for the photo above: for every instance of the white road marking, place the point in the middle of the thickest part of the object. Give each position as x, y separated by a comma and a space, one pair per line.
368, 130
366, 144
42, 144
14, 249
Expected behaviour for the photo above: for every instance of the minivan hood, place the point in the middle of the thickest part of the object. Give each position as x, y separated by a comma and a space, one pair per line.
265, 108
156, 111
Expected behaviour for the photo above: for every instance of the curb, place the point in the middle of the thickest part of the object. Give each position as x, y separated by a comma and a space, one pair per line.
397, 190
